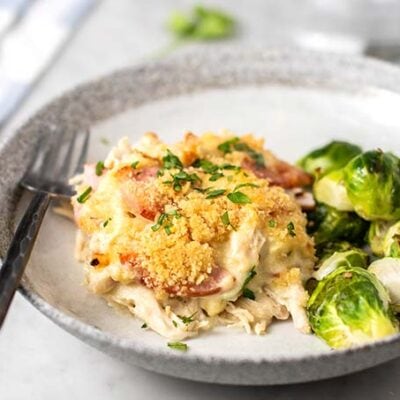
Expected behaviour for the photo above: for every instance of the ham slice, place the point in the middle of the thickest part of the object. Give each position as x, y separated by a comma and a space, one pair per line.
216, 282
134, 193
279, 173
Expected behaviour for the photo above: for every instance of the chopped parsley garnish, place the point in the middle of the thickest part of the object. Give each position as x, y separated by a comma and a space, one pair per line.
226, 147
201, 190
106, 222
99, 168
249, 294
249, 184
226, 220
171, 161
256, 156
291, 229
84, 196
230, 167
212, 194
144, 326
216, 176
181, 178
207, 166
238, 198
134, 164
235, 144
272, 223
174, 323
178, 346
187, 320
165, 217
252, 273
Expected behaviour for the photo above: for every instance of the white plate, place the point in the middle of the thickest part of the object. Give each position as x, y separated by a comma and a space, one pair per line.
296, 101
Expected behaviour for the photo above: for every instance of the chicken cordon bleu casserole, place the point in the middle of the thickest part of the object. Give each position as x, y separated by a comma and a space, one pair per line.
206, 232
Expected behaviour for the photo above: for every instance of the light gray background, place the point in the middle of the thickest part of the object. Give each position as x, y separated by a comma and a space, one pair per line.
38, 360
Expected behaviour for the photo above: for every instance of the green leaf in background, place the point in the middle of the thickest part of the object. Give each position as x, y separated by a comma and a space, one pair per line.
202, 23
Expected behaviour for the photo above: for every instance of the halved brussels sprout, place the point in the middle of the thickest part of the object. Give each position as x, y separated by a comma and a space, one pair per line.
372, 181
326, 224
331, 190
350, 307
328, 158
387, 270
352, 258
391, 241
376, 234
325, 250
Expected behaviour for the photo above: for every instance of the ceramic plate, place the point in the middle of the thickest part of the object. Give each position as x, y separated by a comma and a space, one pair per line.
295, 100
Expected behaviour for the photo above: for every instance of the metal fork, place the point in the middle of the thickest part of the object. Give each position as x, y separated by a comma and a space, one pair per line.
54, 161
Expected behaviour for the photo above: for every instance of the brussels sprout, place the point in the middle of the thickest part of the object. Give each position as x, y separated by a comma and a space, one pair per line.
372, 181
331, 190
325, 250
327, 224
350, 307
387, 270
333, 156
391, 241
376, 234
352, 258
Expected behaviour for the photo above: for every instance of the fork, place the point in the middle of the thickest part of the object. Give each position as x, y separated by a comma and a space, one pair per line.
53, 163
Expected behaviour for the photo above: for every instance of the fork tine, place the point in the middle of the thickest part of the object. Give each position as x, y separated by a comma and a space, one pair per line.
65, 165
50, 157
83, 154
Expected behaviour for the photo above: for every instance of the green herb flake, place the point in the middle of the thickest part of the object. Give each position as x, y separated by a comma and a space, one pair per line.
246, 292
84, 196
201, 190
257, 157
167, 229
230, 167
99, 168
187, 320
249, 184
272, 223
226, 147
134, 164
212, 194
216, 176
171, 161
207, 166
252, 273
238, 198
165, 217
249, 294
144, 326
181, 178
225, 218
106, 222
291, 229
178, 346
174, 323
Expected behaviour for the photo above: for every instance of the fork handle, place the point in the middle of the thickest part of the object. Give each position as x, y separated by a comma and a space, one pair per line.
20, 249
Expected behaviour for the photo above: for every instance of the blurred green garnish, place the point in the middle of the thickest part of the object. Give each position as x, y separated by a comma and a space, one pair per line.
202, 23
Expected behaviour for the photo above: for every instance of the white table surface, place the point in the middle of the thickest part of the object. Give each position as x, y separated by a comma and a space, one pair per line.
38, 360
